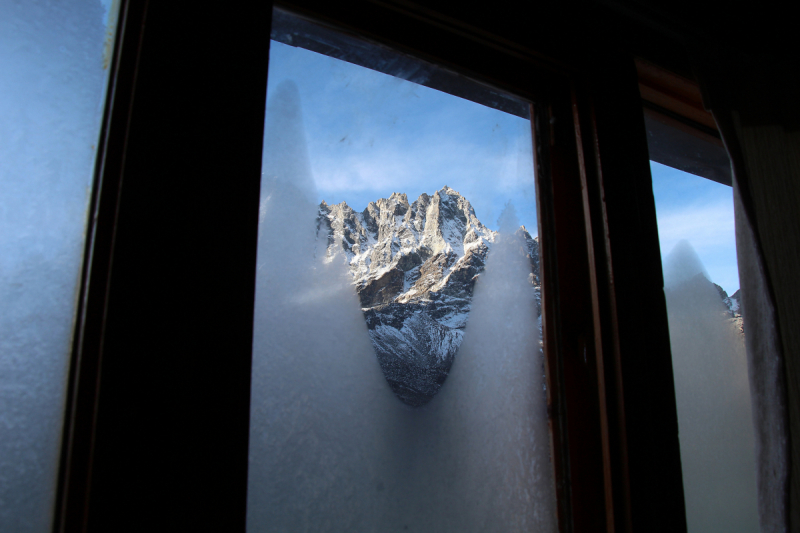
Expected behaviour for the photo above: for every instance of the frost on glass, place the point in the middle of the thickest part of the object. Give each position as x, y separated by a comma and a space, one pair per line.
713, 399
701, 279
333, 445
53, 70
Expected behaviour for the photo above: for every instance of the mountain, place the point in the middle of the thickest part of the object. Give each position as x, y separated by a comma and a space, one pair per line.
734, 306
414, 267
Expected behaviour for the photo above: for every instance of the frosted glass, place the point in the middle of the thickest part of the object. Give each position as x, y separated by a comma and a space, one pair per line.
708, 354
54, 59
335, 444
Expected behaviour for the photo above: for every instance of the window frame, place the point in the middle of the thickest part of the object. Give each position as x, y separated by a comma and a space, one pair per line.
157, 424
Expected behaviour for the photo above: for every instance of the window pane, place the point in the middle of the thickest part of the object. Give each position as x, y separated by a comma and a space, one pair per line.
701, 284
53, 69
397, 373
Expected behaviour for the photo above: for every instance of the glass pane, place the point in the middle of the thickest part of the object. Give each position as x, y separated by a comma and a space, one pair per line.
397, 373
701, 284
54, 59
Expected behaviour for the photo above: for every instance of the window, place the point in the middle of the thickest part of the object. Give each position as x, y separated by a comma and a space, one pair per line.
701, 283
397, 371
54, 68
173, 327
694, 204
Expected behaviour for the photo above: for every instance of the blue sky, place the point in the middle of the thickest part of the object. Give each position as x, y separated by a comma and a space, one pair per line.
700, 211
370, 134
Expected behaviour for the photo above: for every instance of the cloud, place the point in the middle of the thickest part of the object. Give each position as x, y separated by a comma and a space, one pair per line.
709, 228
433, 159
488, 168
370, 134
704, 226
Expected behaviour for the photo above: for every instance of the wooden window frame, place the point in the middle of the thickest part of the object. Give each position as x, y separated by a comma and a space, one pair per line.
157, 419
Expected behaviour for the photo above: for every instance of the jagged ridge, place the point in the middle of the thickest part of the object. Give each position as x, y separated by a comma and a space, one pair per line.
414, 267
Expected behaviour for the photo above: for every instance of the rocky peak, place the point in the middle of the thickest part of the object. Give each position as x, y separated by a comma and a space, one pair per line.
414, 268
732, 302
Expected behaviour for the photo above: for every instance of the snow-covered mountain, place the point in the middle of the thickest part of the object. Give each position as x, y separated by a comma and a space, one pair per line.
414, 267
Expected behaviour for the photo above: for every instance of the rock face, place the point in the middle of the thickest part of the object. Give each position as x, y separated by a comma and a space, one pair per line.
414, 267
733, 304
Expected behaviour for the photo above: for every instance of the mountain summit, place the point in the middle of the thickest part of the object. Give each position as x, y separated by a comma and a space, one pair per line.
414, 267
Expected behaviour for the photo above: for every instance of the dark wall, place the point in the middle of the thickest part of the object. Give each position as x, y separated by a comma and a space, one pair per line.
172, 408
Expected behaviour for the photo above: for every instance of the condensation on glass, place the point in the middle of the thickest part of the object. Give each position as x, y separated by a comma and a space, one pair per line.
397, 367
696, 230
54, 59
